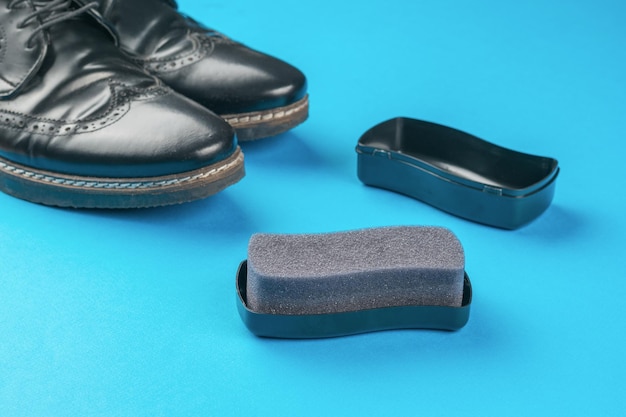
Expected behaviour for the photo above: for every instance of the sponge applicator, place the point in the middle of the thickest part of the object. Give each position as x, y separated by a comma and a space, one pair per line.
321, 285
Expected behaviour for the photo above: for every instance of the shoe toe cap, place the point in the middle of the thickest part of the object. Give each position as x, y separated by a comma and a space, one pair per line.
234, 79
165, 135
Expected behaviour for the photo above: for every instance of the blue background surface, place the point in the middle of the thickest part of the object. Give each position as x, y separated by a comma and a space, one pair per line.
132, 313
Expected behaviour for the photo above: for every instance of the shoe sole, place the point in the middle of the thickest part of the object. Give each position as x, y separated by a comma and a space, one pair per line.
261, 124
55, 189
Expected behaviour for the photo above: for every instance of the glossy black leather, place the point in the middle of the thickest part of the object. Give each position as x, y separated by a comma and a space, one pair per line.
221, 74
73, 103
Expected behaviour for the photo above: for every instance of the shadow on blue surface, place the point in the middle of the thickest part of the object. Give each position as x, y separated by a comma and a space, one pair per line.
557, 223
289, 150
215, 215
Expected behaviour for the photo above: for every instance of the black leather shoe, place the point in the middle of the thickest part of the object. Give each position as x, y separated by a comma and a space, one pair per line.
82, 126
257, 94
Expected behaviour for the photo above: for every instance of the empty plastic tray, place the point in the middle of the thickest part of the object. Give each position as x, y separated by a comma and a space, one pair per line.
457, 172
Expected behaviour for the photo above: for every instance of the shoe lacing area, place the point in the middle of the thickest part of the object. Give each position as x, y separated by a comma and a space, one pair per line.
49, 13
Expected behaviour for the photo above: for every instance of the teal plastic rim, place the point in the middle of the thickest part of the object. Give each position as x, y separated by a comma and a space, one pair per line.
352, 322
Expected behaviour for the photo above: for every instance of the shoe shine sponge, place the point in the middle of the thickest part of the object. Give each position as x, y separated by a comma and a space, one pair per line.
334, 284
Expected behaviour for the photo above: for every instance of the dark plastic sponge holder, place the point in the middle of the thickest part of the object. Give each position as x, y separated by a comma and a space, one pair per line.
457, 172
308, 326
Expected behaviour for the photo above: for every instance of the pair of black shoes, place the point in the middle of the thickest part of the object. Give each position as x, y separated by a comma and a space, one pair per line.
128, 103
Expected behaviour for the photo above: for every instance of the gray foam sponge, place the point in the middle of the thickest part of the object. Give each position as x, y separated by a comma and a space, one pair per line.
354, 270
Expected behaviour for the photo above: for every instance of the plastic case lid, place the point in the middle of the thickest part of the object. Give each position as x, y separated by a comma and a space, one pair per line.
457, 172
